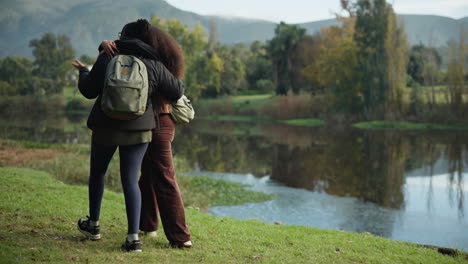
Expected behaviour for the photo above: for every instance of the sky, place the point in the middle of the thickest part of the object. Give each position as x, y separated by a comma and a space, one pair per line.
297, 11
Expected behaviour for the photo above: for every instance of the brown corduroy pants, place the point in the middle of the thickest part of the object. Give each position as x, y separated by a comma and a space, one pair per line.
160, 192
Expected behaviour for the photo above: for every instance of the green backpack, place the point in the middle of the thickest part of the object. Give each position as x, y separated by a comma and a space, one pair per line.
125, 91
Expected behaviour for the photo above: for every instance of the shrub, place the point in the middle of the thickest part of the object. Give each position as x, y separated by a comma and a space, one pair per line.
222, 106
293, 106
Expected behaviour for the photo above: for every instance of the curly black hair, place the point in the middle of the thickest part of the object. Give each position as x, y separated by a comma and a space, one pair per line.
167, 48
137, 29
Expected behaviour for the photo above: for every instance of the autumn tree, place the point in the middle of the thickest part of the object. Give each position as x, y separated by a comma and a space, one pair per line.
396, 46
456, 73
305, 56
336, 68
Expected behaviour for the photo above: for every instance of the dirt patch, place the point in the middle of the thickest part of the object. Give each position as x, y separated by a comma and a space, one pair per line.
17, 156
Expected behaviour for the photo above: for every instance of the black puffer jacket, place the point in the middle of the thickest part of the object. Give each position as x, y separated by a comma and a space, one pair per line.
162, 83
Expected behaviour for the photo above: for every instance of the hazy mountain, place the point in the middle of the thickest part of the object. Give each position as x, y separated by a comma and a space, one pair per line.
87, 22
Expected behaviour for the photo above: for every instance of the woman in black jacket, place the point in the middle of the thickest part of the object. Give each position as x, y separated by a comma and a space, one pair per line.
130, 136
159, 189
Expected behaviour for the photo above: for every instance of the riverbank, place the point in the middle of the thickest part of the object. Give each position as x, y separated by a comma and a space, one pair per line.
309, 122
314, 122
307, 110
38, 215
401, 125
70, 164
297, 110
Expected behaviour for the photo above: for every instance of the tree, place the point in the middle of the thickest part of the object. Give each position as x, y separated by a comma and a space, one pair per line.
15, 72
6, 89
370, 36
419, 56
416, 65
193, 42
306, 56
396, 46
336, 68
213, 67
52, 56
259, 68
15, 68
233, 77
280, 49
456, 72
213, 38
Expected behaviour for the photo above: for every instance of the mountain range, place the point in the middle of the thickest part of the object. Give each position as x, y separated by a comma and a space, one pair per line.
87, 22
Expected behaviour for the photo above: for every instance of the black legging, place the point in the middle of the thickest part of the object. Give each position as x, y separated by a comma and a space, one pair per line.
130, 164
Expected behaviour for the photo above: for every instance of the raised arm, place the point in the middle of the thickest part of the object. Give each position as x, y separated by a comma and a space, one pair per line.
90, 83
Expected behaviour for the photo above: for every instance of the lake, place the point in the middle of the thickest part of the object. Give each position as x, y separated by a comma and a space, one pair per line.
403, 185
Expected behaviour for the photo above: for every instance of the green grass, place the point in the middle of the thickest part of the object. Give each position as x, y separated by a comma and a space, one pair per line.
244, 103
304, 122
38, 224
311, 122
238, 118
407, 126
241, 129
220, 192
71, 166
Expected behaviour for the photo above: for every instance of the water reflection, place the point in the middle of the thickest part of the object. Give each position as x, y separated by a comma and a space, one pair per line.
402, 185
50, 129
370, 166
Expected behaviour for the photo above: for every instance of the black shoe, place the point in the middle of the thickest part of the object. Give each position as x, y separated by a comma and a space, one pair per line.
91, 232
134, 246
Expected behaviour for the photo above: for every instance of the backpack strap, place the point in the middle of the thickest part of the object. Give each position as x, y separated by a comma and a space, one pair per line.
151, 64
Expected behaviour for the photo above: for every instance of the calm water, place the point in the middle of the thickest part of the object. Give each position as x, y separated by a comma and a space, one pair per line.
407, 186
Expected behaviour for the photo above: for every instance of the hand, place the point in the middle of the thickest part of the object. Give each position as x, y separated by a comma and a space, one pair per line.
108, 47
78, 64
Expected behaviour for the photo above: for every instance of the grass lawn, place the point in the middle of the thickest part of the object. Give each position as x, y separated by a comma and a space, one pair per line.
304, 122
238, 118
245, 103
407, 126
311, 122
38, 217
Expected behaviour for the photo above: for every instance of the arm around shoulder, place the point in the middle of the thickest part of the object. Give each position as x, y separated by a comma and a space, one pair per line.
167, 85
